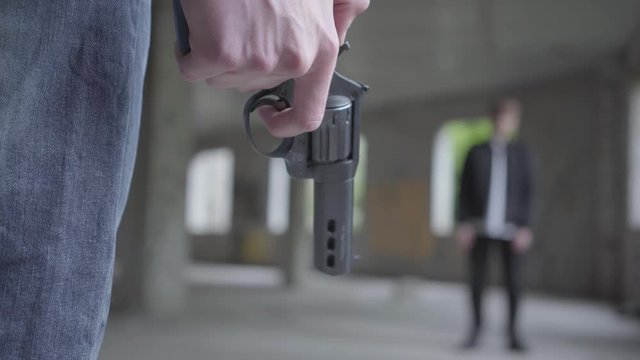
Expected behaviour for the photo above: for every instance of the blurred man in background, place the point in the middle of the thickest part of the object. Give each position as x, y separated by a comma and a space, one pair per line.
494, 213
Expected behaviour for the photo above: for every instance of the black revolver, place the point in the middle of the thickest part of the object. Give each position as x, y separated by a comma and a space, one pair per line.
328, 155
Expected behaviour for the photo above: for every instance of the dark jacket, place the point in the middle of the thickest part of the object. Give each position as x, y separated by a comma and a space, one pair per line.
474, 185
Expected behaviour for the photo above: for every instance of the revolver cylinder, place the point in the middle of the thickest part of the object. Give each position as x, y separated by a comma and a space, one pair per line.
331, 142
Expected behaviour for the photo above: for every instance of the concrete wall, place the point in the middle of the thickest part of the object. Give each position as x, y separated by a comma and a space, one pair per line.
562, 127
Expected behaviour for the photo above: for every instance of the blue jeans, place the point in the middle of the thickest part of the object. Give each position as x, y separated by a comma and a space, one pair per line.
71, 77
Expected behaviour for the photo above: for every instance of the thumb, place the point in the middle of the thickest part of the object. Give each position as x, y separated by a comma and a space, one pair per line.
344, 12
309, 101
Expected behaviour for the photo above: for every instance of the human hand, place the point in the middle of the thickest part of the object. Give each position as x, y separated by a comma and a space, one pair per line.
523, 240
465, 237
249, 45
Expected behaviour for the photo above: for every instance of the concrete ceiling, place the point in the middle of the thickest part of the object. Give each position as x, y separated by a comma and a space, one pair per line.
413, 49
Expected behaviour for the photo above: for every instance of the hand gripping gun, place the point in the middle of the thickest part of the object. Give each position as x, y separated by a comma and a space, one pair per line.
328, 155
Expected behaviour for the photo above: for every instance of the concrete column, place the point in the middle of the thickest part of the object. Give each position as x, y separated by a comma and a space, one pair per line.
610, 195
296, 259
630, 249
631, 245
153, 244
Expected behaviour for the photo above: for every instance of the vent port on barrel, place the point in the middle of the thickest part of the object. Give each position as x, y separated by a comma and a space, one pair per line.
331, 226
331, 261
331, 243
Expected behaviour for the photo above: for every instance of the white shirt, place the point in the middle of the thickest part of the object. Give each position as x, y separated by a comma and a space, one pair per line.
495, 224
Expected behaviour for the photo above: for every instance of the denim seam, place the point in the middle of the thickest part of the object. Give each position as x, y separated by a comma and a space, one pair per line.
116, 204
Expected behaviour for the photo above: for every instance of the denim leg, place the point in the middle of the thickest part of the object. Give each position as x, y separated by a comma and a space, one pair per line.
71, 77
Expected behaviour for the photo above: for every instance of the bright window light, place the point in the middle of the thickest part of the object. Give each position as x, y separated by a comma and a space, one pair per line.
634, 159
209, 206
278, 197
450, 148
443, 184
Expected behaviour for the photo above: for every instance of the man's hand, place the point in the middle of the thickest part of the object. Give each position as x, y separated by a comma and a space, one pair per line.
258, 44
465, 237
523, 240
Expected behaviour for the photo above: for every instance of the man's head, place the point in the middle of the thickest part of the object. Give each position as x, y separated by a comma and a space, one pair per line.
505, 114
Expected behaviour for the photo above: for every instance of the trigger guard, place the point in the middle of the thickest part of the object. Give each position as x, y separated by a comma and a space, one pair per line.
265, 98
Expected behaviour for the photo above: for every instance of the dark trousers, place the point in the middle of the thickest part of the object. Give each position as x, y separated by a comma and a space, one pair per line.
512, 277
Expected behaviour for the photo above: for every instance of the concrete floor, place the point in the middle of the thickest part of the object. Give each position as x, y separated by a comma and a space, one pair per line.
350, 318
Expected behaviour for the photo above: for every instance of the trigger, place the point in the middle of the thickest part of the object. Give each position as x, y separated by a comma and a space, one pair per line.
254, 103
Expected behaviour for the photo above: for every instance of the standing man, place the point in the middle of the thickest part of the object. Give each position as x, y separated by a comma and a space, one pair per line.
495, 212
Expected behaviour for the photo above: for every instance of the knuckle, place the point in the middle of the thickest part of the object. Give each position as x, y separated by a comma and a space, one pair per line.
296, 63
227, 60
329, 47
262, 64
